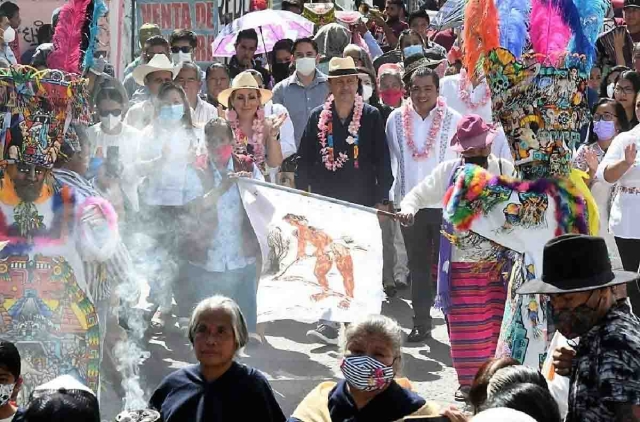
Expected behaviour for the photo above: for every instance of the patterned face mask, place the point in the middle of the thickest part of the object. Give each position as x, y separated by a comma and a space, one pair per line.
365, 373
6, 390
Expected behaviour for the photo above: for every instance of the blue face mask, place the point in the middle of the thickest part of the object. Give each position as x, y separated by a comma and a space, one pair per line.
412, 50
172, 113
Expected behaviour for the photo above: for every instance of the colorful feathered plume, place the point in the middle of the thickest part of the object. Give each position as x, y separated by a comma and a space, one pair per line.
99, 10
514, 16
481, 33
592, 13
550, 34
67, 39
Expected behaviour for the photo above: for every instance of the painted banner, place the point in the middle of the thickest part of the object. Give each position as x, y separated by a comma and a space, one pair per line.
321, 260
34, 13
200, 16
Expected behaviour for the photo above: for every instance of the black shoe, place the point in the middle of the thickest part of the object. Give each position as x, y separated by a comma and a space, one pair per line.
324, 334
419, 333
462, 394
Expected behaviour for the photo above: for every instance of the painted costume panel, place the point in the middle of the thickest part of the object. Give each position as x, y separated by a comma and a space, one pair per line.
43, 301
521, 216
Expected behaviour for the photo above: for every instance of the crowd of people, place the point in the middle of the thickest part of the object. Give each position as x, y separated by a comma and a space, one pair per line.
382, 113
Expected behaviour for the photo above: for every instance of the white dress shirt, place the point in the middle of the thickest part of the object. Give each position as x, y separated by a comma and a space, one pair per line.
409, 171
625, 205
287, 137
450, 89
140, 114
203, 113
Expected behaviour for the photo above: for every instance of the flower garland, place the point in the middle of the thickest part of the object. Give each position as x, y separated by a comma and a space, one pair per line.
465, 95
407, 127
325, 135
253, 147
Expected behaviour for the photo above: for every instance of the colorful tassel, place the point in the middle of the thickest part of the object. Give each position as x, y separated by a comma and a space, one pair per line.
476, 192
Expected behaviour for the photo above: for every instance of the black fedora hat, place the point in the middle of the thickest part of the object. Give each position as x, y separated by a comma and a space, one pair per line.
574, 263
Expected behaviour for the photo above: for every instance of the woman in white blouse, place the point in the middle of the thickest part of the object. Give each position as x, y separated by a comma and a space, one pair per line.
620, 167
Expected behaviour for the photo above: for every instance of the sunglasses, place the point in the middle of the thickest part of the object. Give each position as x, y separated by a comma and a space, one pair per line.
106, 113
185, 49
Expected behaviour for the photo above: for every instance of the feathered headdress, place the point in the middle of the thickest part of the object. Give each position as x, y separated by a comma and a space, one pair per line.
68, 37
537, 73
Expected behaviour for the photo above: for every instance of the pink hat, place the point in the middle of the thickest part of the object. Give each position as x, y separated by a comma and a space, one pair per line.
472, 132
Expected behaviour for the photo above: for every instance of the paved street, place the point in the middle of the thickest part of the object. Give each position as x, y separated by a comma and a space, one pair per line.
294, 365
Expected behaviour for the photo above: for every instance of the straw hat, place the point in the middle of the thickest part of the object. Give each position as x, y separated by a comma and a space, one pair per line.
158, 63
340, 67
244, 80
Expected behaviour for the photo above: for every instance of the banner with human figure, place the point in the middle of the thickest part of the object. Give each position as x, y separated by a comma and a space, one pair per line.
321, 259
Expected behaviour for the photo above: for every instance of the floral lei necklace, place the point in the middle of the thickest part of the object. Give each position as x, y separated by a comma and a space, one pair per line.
465, 94
325, 135
253, 147
407, 127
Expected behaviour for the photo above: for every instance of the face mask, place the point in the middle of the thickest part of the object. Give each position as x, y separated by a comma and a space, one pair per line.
172, 113
367, 92
610, 89
9, 35
412, 50
280, 71
180, 57
222, 154
573, 323
306, 65
110, 122
478, 161
365, 373
391, 97
6, 390
604, 130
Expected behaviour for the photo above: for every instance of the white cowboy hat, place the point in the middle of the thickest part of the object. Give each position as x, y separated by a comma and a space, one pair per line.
244, 80
157, 63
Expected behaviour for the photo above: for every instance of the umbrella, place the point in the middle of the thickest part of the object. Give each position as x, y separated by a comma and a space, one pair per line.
271, 26
451, 15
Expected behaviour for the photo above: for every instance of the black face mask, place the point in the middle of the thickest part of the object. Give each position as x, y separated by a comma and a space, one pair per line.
478, 161
573, 323
280, 71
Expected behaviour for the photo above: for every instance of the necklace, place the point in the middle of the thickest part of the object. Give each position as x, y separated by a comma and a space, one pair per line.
465, 93
253, 147
325, 135
407, 127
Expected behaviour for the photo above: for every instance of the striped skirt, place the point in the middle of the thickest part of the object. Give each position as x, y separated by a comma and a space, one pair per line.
477, 305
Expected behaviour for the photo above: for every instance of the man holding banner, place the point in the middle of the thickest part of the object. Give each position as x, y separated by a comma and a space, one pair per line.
343, 152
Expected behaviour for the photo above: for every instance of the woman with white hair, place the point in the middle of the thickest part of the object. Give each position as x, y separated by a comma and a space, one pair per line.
218, 387
370, 392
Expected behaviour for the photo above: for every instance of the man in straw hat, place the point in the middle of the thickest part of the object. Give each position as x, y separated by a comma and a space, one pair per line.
152, 75
146, 31
419, 134
343, 151
463, 282
605, 374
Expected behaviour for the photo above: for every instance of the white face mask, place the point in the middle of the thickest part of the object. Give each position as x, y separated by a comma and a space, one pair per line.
110, 122
9, 35
610, 89
306, 65
180, 57
367, 92
6, 391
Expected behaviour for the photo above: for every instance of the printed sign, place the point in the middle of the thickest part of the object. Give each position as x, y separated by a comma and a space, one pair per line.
199, 16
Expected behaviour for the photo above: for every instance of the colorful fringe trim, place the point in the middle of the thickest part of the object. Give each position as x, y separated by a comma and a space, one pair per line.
476, 192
